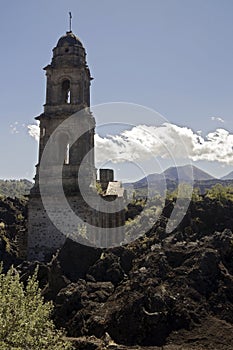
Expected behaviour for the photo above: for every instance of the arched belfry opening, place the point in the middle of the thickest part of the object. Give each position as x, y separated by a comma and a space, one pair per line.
66, 94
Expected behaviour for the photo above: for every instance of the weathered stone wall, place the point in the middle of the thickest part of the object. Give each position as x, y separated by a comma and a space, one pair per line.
45, 238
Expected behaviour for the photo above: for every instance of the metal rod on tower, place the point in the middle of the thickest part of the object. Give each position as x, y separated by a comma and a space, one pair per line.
70, 21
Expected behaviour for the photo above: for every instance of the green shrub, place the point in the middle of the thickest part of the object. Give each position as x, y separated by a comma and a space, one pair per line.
25, 322
2, 225
221, 193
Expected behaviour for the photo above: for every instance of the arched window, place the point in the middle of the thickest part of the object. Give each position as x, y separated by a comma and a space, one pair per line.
66, 98
63, 149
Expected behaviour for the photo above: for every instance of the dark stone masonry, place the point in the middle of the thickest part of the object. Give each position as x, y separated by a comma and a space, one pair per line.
72, 140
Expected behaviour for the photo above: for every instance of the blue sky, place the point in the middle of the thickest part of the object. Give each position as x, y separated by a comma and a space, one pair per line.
174, 56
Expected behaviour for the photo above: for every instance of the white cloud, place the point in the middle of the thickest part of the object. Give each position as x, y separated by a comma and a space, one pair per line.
217, 119
217, 146
167, 141
34, 131
14, 128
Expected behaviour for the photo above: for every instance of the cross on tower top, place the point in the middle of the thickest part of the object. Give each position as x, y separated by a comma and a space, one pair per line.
70, 21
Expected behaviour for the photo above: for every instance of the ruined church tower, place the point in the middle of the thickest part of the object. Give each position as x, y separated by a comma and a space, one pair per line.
57, 201
67, 92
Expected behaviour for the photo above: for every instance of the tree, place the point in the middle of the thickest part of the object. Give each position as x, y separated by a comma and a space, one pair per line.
221, 193
25, 322
183, 190
196, 196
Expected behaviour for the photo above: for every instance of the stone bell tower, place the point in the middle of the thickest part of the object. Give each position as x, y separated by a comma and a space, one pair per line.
67, 92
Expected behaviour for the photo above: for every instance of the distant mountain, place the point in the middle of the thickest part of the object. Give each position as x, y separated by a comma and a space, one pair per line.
187, 172
159, 183
182, 173
228, 176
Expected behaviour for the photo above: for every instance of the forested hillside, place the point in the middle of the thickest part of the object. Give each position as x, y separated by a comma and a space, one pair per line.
15, 188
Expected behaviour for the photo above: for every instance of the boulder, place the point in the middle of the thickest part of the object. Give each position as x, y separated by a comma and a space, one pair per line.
75, 259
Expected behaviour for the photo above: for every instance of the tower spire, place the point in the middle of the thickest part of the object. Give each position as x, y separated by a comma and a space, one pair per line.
70, 21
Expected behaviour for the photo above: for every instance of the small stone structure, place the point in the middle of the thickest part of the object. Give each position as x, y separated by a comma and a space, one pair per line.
68, 92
